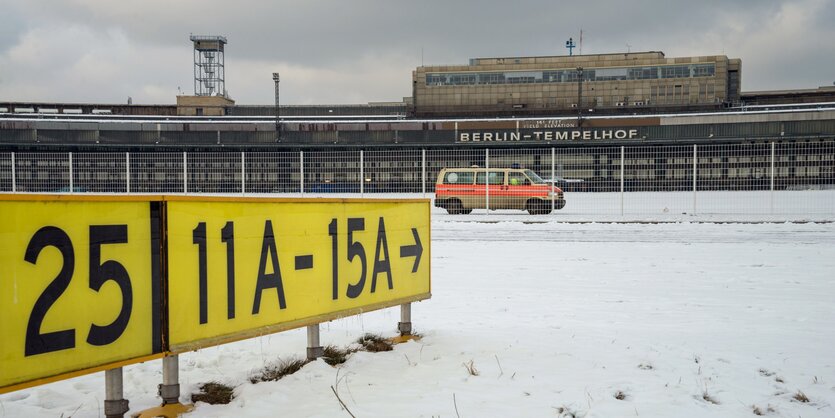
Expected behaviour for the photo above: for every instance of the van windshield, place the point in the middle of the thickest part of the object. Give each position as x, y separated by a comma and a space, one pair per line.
534, 177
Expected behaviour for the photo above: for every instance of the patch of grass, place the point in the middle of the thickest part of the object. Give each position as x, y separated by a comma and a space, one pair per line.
334, 355
278, 370
213, 393
620, 395
645, 366
374, 343
800, 397
471, 368
766, 373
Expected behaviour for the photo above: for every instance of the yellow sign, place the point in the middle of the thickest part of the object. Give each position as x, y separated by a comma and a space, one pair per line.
78, 285
243, 268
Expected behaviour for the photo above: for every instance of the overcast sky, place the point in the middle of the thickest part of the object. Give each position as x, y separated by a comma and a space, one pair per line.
358, 51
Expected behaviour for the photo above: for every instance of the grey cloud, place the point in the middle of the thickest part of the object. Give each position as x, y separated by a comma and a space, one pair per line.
327, 48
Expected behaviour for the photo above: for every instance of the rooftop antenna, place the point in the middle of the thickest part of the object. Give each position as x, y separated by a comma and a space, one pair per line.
570, 45
581, 42
628, 48
209, 73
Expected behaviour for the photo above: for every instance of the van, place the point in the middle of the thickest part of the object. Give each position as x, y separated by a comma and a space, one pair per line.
460, 190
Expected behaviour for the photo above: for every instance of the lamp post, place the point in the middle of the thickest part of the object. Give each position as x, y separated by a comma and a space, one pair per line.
276, 79
579, 96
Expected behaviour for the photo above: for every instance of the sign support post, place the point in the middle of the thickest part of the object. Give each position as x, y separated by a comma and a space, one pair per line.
405, 324
169, 390
314, 347
114, 404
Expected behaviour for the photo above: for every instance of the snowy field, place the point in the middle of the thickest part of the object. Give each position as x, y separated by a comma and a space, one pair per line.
680, 319
717, 206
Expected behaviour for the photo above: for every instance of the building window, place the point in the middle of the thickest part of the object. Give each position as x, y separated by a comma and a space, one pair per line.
572, 75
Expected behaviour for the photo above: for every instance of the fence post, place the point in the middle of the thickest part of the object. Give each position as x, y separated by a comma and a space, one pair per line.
243, 173
423, 172
127, 172
694, 176
185, 173
553, 173
115, 405
14, 175
486, 180
622, 156
71, 182
314, 347
362, 174
772, 177
301, 171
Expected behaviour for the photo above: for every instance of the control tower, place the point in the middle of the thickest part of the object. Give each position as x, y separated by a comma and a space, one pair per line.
209, 76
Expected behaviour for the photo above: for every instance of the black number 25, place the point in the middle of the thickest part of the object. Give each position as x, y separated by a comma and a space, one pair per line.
100, 273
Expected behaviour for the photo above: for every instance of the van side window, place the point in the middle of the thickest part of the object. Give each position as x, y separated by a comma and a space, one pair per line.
459, 177
495, 177
515, 178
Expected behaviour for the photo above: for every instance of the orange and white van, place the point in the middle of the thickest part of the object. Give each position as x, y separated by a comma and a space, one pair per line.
460, 190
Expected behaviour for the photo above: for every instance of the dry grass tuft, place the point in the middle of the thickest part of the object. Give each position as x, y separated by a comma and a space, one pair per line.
708, 398
374, 343
800, 397
334, 355
565, 412
471, 368
278, 370
213, 393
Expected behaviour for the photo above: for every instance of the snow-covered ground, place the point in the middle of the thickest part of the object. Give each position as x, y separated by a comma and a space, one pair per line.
713, 206
558, 318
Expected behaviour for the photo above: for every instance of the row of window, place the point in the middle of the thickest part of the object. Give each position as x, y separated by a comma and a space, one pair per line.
572, 75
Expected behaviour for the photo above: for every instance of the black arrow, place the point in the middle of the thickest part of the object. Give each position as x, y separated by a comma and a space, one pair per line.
413, 250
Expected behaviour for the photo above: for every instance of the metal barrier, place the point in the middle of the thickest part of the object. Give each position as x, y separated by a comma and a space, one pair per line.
776, 178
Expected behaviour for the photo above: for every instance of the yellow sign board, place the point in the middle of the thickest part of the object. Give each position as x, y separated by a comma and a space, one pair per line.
243, 268
79, 285
89, 283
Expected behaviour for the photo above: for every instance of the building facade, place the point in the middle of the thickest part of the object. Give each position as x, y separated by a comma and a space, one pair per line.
553, 85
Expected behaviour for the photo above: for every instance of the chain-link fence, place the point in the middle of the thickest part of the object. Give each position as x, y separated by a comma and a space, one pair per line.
750, 178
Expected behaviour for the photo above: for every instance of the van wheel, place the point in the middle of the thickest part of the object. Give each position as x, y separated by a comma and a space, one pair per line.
455, 207
538, 207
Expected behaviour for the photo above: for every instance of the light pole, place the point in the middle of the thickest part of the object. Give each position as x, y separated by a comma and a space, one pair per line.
579, 96
276, 79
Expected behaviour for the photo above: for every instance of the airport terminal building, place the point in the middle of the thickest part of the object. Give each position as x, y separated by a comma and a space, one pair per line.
608, 118
541, 85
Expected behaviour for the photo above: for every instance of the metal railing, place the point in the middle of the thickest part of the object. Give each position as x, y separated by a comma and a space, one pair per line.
791, 178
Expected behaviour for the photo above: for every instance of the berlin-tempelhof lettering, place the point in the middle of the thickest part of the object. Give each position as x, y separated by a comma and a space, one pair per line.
548, 135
